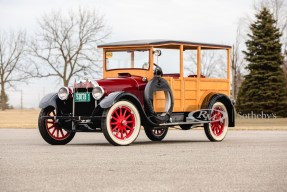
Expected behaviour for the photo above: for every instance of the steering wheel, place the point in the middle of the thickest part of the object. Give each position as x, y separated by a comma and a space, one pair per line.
157, 71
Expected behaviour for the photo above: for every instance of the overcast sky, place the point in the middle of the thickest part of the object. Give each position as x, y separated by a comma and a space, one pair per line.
211, 21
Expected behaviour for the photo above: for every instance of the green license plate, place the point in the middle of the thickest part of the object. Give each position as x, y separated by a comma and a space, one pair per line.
82, 97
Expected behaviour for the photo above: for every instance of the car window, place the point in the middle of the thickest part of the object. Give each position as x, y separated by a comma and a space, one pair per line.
213, 63
168, 61
137, 59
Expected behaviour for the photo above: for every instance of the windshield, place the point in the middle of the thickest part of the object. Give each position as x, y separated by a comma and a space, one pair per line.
132, 59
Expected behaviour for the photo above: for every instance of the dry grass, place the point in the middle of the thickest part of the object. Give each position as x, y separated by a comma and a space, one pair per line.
15, 118
261, 124
29, 119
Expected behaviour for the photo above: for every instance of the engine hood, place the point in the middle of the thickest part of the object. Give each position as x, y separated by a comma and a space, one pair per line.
126, 84
130, 84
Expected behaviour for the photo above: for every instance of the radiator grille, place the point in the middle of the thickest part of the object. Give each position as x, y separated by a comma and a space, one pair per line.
84, 108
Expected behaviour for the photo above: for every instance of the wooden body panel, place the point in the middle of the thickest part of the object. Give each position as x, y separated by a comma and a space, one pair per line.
188, 92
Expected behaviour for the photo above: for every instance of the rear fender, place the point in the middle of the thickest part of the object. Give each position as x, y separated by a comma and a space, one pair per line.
212, 97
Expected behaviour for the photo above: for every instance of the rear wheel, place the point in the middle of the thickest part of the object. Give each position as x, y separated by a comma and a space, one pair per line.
122, 123
216, 130
50, 130
155, 134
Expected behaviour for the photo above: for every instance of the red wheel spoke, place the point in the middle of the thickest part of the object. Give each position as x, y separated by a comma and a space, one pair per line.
51, 126
115, 118
116, 113
129, 127
128, 116
122, 134
61, 131
122, 122
125, 112
158, 132
218, 125
116, 127
54, 131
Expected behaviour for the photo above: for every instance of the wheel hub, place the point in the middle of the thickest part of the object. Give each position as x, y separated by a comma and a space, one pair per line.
124, 123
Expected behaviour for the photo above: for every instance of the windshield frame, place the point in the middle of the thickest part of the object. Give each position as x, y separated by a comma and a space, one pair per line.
126, 50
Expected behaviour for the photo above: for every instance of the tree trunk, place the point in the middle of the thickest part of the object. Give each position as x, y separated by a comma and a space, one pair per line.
3, 98
233, 84
66, 82
233, 72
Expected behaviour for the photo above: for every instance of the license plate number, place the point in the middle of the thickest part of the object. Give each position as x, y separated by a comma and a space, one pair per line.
82, 97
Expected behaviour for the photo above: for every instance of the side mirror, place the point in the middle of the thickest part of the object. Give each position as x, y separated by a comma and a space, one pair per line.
157, 52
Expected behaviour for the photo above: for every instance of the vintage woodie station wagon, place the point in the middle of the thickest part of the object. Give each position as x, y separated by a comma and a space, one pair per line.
144, 83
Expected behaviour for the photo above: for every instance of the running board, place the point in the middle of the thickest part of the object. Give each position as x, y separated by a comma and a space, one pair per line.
179, 123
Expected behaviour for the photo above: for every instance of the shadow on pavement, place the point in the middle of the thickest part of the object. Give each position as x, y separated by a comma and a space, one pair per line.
143, 143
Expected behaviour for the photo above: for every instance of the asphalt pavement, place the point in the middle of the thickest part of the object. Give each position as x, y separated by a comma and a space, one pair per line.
184, 161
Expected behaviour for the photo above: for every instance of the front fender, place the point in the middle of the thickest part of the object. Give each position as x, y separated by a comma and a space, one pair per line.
49, 100
112, 98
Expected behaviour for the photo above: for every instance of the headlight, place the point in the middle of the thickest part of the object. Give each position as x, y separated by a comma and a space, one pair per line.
98, 92
63, 93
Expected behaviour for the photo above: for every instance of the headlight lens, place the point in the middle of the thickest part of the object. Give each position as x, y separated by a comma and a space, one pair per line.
98, 92
63, 93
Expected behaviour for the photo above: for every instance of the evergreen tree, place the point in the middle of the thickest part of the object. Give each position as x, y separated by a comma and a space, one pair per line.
264, 88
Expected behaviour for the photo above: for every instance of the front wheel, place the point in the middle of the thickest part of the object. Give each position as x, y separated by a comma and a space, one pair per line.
50, 130
216, 130
122, 123
155, 134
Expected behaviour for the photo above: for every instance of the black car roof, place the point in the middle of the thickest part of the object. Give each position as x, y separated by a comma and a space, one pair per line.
154, 42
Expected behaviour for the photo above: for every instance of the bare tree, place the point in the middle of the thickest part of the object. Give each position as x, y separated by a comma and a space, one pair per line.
66, 45
211, 63
279, 11
237, 62
13, 68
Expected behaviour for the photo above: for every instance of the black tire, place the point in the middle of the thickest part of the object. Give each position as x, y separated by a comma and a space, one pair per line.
155, 134
51, 134
216, 132
158, 84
